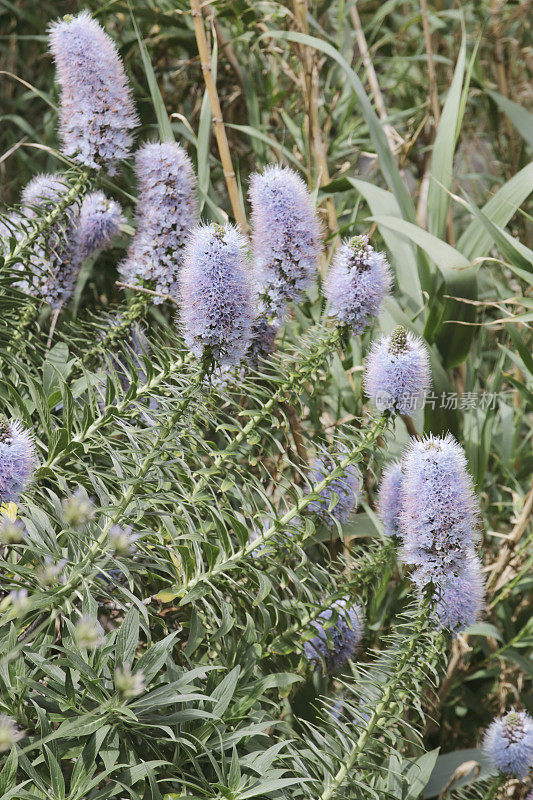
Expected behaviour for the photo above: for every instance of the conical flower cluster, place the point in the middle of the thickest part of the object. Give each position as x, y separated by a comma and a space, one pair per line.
59, 253
285, 237
336, 643
166, 214
508, 744
17, 460
216, 296
339, 499
356, 284
96, 110
429, 501
397, 372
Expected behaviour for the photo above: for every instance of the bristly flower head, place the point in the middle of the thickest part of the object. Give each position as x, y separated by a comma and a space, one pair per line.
286, 236
397, 372
216, 294
59, 253
17, 459
508, 743
166, 214
54, 267
98, 223
336, 643
389, 502
356, 284
96, 112
459, 595
439, 516
347, 488
262, 340
11, 531
88, 633
9, 733
127, 683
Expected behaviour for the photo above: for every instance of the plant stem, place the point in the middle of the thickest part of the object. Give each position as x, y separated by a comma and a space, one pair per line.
379, 561
42, 223
432, 75
366, 441
311, 96
404, 664
134, 312
123, 504
216, 111
371, 75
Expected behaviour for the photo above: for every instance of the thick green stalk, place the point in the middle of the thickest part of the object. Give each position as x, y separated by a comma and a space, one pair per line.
42, 223
380, 560
305, 367
404, 663
243, 553
135, 311
122, 506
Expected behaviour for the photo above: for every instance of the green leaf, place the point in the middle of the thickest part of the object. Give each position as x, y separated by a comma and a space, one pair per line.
441, 167
127, 638
166, 133
476, 241
446, 765
521, 119
419, 774
387, 162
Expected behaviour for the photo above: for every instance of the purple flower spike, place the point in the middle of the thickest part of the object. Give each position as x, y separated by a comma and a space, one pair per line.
216, 295
17, 460
166, 214
508, 744
96, 112
335, 644
53, 261
356, 284
439, 516
397, 372
58, 254
263, 340
389, 498
286, 237
347, 488
460, 595
97, 225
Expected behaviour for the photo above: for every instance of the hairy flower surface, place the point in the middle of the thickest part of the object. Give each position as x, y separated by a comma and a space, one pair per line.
88, 633
9, 733
285, 236
11, 532
356, 284
438, 517
166, 214
389, 500
347, 488
98, 223
397, 372
17, 459
78, 509
58, 253
216, 295
96, 110
460, 594
262, 340
129, 684
508, 743
336, 643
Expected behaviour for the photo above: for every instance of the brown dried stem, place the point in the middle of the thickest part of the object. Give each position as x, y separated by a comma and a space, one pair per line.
216, 111
311, 95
